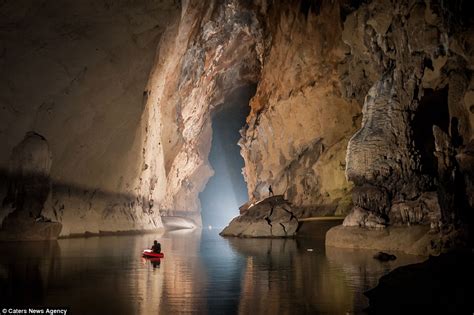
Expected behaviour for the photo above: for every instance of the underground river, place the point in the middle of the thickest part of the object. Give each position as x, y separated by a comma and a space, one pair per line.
202, 273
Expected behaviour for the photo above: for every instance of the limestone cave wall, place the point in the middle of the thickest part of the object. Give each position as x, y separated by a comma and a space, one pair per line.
214, 49
411, 161
301, 122
296, 135
362, 105
74, 72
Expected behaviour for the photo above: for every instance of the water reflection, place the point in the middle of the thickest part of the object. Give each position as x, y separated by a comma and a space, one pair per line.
201, 273
303, 277
29, 268
183, 273
154, 262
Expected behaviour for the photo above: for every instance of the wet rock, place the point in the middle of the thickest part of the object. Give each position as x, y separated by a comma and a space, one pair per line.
271, 217
423, 210
363, 218
384, 256
416, 239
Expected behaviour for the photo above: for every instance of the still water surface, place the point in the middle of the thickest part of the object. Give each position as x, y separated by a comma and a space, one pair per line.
202, 273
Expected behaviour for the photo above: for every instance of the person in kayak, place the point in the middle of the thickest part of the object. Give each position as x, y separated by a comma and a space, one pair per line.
156, 248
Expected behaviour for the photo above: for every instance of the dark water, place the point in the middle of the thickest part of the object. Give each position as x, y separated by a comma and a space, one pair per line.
201, 273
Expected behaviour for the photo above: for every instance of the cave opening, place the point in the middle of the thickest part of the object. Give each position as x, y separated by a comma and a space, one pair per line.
226, 191
432, 110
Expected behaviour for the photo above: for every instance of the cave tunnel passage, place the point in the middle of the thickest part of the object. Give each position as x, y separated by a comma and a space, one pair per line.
226, 190
432, 110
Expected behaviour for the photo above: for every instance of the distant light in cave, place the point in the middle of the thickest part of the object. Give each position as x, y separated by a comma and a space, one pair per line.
226, 191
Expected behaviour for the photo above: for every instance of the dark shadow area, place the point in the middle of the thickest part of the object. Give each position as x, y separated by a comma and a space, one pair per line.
62, 187
27, 268
433, 110
65, 190
456, 138
307, 6
440, 285
87, 276
226, 190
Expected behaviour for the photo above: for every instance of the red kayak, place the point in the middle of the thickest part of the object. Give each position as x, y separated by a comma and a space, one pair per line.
150, 254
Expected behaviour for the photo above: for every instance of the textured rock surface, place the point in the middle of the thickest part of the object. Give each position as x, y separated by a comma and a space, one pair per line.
29, 173
125, 153
415, 240
363, 218
75, 72
209, 52
415, 115
300, 122
28, 189
271, 217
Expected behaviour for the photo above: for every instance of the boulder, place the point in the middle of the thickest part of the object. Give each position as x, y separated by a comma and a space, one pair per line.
363, 218
415, 239
271, 217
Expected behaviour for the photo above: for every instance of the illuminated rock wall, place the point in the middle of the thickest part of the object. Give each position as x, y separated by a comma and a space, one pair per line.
372, 78
74, 72
300, 122
211, 51
410, 159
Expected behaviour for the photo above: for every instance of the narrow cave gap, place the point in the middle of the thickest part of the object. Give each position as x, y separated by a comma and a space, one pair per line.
226, 190
349, 6
310, 5
456, 138
432, 110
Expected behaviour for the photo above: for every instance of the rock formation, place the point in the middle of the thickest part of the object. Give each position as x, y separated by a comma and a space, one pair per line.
300, 122
28, 189
75, 72
210, 52
364, 107
271, 217
416, 119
